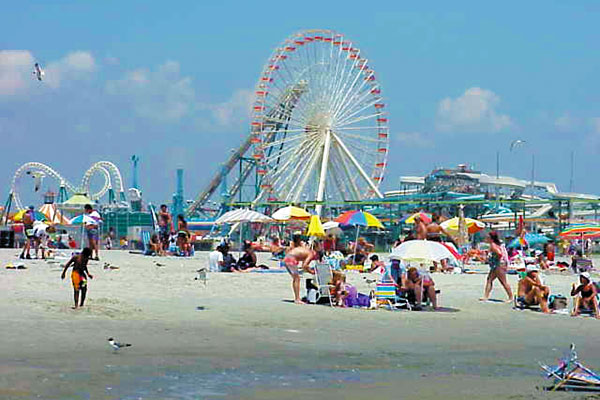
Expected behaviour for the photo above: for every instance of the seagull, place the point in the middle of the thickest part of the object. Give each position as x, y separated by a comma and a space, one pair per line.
516, 143
37, 176
38, 72
116, 345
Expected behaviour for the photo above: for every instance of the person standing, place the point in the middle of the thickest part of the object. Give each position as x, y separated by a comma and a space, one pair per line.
299, 253
79, 275
164, 225
498, 262
28, 220
41, 233
92, 230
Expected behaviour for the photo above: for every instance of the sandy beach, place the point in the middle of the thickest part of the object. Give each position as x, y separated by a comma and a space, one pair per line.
239, 336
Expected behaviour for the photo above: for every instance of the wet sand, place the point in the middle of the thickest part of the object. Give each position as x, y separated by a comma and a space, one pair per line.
239, 336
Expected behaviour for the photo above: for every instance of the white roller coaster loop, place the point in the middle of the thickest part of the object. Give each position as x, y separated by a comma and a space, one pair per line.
108, 170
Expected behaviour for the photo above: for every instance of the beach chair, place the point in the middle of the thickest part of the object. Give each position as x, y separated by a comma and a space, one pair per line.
324, 276
146, 242
581, 264
386, 295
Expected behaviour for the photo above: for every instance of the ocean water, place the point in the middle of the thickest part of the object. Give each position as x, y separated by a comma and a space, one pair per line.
192, 385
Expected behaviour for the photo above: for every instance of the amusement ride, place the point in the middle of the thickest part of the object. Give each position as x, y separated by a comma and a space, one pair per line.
318, 131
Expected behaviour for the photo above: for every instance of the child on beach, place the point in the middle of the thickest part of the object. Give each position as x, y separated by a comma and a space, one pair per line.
79, 275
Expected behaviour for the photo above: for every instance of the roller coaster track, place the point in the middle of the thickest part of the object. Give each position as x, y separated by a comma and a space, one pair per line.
106, 169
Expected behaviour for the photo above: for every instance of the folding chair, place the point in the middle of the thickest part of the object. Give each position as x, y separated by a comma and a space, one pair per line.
324, 276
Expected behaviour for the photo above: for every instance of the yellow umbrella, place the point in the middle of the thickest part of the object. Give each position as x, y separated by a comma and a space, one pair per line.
315, 228
452, 225
18, 217
291, 212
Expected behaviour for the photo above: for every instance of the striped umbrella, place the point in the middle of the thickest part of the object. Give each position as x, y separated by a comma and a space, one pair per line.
359, 218
425, 217
581, 231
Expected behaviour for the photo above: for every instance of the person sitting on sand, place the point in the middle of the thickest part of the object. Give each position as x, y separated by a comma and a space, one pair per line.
586, 294
79, 274
498, 261
248, 260
156, 245
418, 283
345, 294
277, 250
299, 254
532, 291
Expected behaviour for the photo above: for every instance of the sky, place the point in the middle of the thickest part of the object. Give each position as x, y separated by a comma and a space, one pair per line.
173, 83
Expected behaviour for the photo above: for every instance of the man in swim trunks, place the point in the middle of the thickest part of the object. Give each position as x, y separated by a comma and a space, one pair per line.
293, 258
533, 291
79, 275
28, 220
164, 225
91, 228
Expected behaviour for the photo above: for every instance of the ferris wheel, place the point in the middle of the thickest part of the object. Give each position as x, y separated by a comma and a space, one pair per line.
319, 130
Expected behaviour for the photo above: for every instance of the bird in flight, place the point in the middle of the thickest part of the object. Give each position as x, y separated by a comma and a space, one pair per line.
38, 72
116, 345
516, 143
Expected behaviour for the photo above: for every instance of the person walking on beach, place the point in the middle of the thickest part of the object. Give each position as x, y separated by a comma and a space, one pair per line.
79, 275
297, 254
28, 220
164, 226
91, 229
498, 261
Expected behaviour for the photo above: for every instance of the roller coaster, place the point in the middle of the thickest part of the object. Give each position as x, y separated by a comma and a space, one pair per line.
112, 186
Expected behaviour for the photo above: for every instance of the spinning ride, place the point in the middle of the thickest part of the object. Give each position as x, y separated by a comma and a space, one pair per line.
319, 131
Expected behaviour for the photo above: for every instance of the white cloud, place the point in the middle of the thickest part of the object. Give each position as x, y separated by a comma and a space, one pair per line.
473, 111
233, 111
164, 95
15, 71
16, 67
161, 95
75, 65
413, 139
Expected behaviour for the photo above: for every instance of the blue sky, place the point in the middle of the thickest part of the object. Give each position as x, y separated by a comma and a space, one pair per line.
461, 81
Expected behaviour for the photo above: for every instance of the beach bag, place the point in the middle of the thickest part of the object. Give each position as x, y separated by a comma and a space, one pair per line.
558, 302
312, 296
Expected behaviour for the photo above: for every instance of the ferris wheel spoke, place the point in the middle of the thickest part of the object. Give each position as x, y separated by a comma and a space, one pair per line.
300, 167
306, 173
357, 100
299, 152
357, 165
358, 137
358, 119
347, 88
349, 177
365, 106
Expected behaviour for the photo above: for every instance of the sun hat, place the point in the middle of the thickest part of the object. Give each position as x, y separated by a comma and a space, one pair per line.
586, 275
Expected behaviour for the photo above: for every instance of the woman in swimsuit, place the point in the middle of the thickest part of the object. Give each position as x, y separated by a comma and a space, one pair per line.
587, 298
79, 274
497, 260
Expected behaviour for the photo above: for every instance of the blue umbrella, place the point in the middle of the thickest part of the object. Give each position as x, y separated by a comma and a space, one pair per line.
531, 240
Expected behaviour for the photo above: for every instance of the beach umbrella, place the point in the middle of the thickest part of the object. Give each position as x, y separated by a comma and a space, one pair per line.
53, 215
529, 239
242, 215
359, 218
421, 251
315, 228
425, 217
291, 212
332, 228
580, 231
83, 219
18, 217
452, 225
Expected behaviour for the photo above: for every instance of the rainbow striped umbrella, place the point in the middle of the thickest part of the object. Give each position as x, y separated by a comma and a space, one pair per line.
581, 231
359, 218
425, 217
